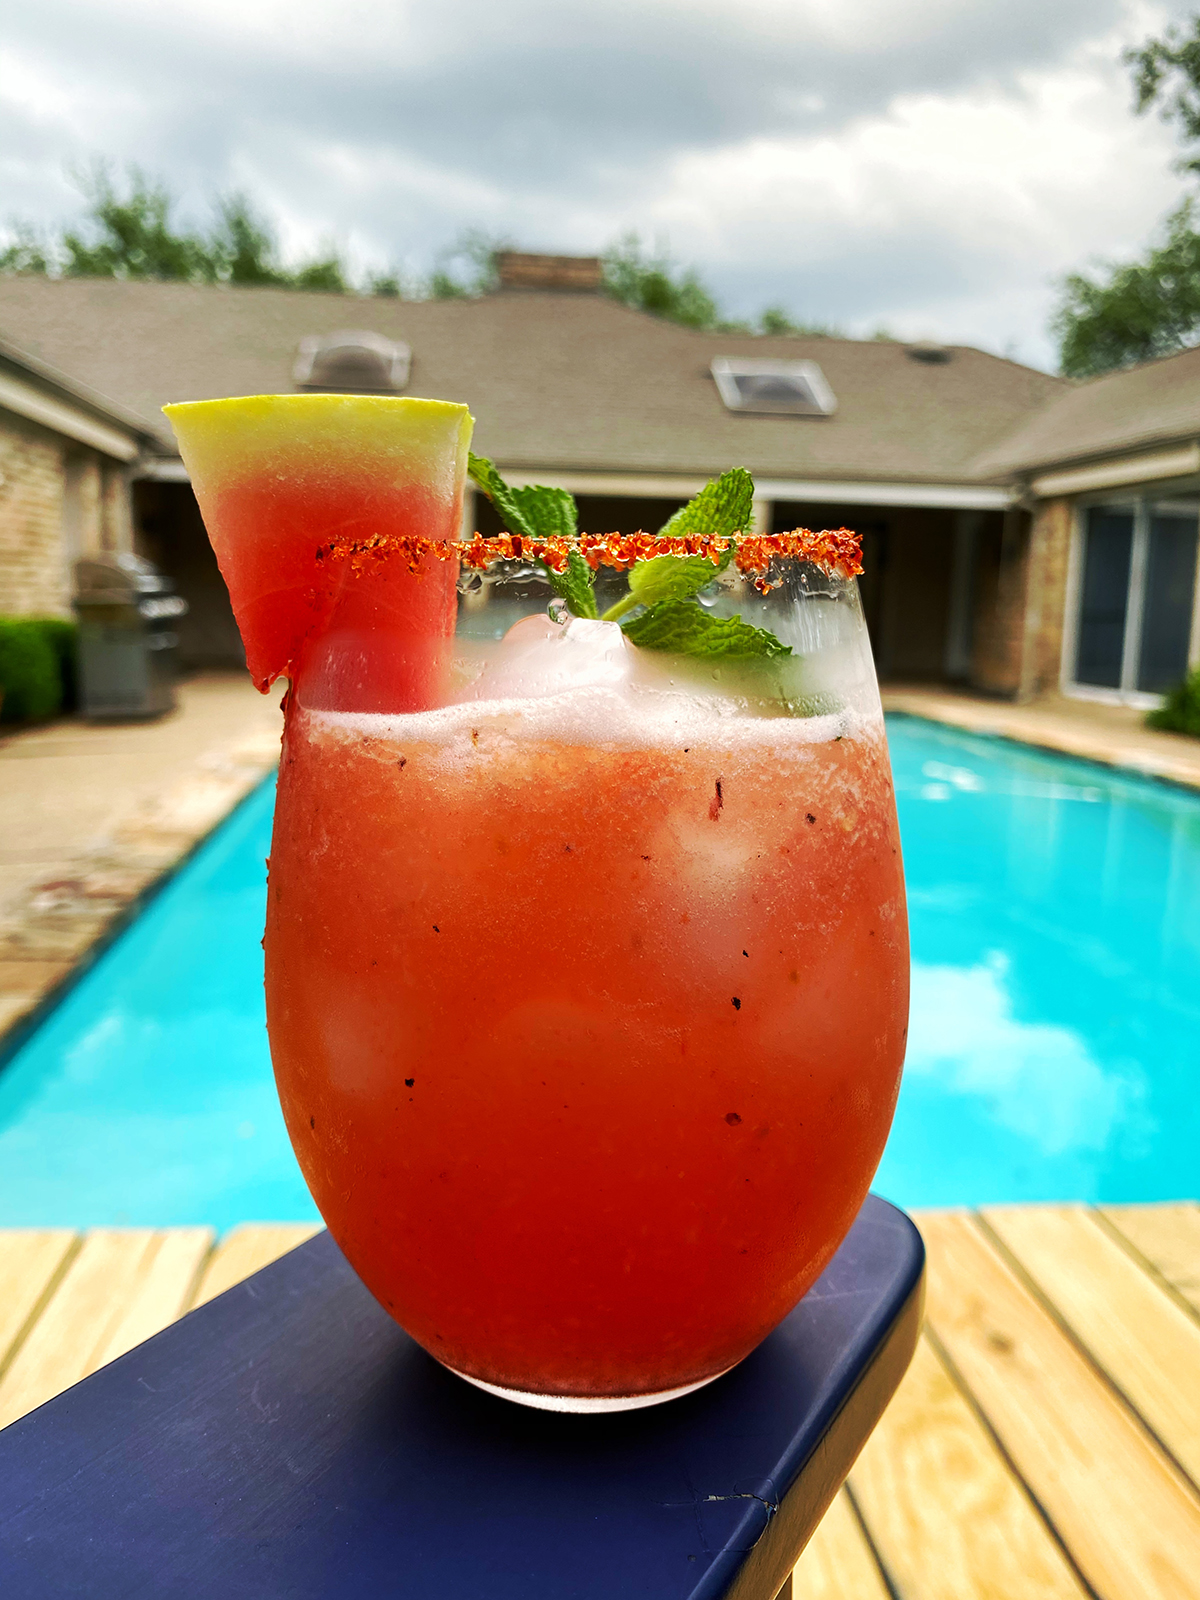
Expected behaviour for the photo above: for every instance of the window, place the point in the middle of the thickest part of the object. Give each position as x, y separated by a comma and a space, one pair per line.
1137, 596
781, 388
351, 363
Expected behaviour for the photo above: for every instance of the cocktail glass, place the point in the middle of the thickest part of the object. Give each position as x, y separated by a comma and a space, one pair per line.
586, 961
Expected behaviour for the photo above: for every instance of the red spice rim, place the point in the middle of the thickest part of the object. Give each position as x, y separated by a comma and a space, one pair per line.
836, 551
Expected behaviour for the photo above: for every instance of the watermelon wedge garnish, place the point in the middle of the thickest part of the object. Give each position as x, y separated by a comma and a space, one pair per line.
293, 490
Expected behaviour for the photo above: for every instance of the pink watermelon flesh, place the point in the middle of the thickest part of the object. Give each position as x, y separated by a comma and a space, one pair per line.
294, 489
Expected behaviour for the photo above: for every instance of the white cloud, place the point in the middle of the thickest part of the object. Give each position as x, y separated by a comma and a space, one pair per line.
1038, 1079
919, 163
950, 214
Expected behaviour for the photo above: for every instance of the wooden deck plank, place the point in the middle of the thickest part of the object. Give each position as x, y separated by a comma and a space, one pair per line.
246, 1249
942, 1505
162, 1291
837, 1563
942, 1508
1168, 1236
1131, 1522
29, 1260
83, 1315
1135, 1333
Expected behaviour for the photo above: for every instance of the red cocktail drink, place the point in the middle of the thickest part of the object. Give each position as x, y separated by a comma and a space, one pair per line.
587, 983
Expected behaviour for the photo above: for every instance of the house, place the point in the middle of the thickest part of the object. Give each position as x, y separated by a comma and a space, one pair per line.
959, 469
66, 455
1111, 472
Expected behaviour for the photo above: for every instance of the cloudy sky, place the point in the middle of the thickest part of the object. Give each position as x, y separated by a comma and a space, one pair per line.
933, 166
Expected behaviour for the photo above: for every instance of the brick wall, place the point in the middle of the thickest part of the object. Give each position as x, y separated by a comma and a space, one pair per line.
1046, 597
115, 507
33, 566
58, 501
1021, 595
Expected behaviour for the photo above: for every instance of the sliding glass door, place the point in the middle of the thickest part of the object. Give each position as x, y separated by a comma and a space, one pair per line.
1168, 596
1137, 595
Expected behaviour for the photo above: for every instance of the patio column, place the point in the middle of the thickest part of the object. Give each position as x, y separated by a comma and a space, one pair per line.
957, 663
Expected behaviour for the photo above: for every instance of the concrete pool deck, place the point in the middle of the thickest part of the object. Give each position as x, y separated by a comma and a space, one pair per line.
93, 815
1044, 1445
1115, 736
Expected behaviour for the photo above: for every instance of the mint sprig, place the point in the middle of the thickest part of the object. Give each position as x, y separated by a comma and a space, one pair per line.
723, 509
684, 628
540, 512
663, 589
534, 512
667, 578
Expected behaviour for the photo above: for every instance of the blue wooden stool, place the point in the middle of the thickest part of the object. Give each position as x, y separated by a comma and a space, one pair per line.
287, 1439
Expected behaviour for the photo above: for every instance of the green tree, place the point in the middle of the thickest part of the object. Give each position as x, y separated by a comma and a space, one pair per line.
243, 245
327, 273
467, 267
385, 284
1136, 311
245, 251
28, 255
653, 283
1166, 74
775, 320
1125, 312
132, 235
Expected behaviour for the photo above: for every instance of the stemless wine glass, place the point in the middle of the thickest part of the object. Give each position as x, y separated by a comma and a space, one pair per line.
587, 979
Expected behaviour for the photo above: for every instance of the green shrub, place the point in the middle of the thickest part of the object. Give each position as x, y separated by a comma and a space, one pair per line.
30, 676
1181, 713
63, 635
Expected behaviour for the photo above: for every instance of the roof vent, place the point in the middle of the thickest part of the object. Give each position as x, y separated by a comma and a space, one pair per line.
351, 363
781, 388
517, 270
929, 353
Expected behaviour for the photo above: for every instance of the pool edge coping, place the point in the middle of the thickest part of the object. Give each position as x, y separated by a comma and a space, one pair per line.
127, 907
902, 705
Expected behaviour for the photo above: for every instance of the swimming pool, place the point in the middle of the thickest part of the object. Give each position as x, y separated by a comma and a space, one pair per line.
1054, 1048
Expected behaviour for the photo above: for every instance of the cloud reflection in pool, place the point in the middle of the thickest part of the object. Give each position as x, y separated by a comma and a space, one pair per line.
1054, 1046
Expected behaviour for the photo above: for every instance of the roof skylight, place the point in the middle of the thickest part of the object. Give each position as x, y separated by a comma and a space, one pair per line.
780, 388
351, 363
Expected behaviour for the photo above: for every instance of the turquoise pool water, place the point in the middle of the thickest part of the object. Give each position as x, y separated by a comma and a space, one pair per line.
1054, 1050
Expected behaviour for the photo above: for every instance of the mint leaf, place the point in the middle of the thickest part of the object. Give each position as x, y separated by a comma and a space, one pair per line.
550, 513
686, 629
574, 585
667, 578
539, 512
724, 507
493, 485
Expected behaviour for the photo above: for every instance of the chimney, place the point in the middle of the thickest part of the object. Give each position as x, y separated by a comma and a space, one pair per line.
575, 274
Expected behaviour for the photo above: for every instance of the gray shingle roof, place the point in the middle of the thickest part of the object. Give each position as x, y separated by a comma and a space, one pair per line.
1122, 412
29, 368
566, 381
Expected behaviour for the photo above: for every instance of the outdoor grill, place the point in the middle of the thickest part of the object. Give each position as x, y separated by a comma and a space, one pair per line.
127, 662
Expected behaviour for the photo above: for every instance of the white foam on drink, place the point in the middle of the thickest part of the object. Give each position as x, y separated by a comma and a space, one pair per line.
584, 683
599, 717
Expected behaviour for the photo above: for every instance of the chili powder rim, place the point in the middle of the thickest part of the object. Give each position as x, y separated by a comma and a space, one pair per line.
835, 551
